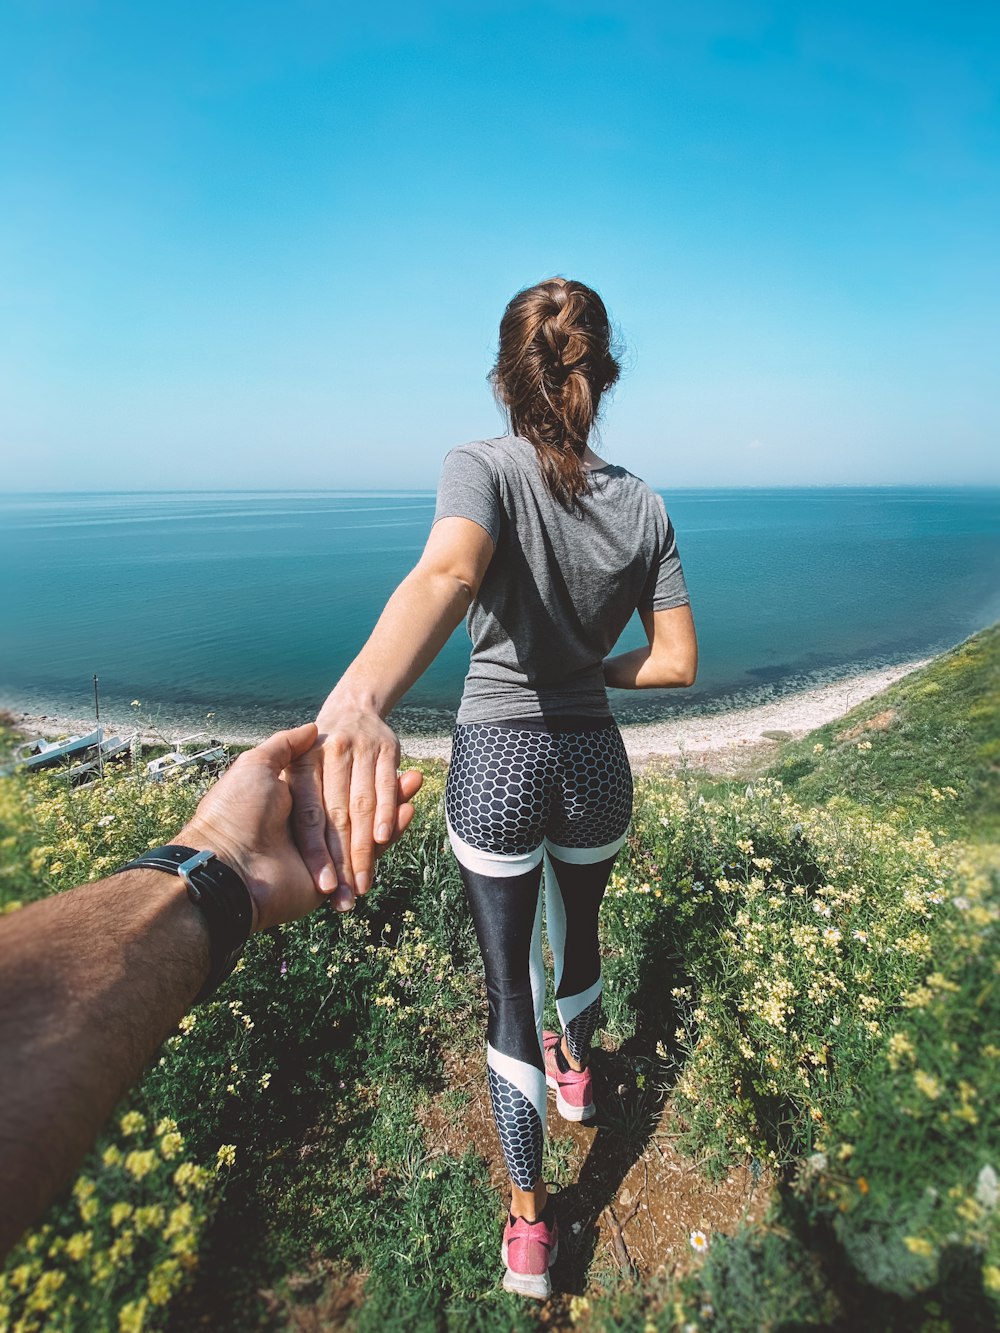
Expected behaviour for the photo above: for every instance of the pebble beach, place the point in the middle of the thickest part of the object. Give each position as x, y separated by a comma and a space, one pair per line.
721, 741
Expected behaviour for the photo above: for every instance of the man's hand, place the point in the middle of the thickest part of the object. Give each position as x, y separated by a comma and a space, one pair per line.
244, 820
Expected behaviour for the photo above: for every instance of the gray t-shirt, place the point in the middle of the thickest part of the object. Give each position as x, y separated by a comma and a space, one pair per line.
562, 584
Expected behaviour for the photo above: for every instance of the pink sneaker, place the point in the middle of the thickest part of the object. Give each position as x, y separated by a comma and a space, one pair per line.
529, 1250
574, 1091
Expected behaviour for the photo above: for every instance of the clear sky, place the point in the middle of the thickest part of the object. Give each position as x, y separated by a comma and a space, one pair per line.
256, 245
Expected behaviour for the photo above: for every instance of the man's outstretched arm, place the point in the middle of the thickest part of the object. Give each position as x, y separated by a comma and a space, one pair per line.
93, 980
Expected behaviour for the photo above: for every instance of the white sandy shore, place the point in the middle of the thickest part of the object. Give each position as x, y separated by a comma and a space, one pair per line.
708, 739
717, 733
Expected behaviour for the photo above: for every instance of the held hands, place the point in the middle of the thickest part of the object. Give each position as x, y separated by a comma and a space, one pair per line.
244, 819
347, 800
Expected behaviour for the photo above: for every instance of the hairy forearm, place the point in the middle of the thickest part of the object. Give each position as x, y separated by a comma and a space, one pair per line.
411, 631
641, 670
91, 981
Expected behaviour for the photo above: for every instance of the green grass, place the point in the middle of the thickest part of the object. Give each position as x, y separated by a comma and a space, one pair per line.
937, 728
807, 966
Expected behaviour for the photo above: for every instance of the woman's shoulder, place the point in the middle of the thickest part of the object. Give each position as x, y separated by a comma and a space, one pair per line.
621, 478
498, 453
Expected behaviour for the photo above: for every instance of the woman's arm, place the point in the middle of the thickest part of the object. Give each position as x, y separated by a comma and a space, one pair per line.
345, 787
670, 660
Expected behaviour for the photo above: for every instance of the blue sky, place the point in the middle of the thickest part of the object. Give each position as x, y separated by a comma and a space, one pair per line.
256, 245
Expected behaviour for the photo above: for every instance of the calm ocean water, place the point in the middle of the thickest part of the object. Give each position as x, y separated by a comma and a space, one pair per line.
250, 604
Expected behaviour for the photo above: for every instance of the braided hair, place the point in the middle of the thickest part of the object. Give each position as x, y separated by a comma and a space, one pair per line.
554, 361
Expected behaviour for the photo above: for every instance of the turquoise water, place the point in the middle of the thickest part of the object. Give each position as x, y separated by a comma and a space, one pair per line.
250, 604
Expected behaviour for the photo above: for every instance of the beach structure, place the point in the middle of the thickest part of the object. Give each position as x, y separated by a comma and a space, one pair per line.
39, 754
176, 761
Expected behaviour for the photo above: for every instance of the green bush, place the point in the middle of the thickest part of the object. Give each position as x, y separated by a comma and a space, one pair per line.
771, 943
808, 965
115, 1251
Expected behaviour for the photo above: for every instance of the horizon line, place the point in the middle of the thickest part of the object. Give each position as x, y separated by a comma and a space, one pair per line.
431, 490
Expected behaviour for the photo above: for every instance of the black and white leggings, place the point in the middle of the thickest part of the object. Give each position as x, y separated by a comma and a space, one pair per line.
521, 794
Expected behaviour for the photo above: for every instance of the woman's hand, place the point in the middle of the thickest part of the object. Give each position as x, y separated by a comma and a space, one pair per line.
347, 795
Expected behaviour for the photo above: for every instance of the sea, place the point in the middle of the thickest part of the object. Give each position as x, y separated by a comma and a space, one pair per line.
235, 612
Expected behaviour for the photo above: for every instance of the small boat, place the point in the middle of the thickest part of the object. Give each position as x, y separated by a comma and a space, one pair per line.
39, 754
115, 747
169, 765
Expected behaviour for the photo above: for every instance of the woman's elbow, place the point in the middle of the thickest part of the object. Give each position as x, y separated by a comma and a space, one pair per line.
674, 672
687, 675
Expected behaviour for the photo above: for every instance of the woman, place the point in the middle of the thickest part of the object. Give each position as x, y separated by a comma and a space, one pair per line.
548, 550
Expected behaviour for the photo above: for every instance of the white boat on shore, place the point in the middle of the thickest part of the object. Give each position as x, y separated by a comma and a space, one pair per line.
115, 747
177, 761
38, 754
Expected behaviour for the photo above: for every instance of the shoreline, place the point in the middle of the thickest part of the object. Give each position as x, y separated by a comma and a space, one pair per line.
718, 739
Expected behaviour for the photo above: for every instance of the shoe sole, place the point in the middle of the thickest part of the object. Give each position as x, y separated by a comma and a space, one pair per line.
565, 1108
528, 1284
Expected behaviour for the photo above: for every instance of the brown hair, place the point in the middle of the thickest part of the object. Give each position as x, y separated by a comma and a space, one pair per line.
554, 361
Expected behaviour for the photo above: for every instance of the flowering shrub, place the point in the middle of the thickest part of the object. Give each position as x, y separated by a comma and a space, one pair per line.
819, 984
316, 1014
790, 936
909, 1172
55, 836
116, 1251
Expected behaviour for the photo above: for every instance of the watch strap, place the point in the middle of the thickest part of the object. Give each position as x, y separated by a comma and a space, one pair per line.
220, 894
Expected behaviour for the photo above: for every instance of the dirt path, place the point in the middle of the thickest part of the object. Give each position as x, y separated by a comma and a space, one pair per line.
627, 1201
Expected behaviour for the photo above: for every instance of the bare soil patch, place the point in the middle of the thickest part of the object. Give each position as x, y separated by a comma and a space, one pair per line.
324, 1298
880, 722
627, 1200
740, 759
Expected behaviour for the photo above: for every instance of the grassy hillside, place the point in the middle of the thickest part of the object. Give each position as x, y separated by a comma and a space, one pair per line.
928, 746
802, 984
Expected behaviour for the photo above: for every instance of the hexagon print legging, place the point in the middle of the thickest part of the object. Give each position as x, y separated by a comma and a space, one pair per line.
523, 795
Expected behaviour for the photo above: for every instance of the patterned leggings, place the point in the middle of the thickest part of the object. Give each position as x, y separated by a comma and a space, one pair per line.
519, 795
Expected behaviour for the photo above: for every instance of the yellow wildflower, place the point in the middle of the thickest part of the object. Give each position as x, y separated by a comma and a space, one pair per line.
180, 1218
149, 1216
900, 1049
579, 1306
79, 1245
132, 1316
163, 1281
188, 1174
918, 1245
140, 1164
132, 1122
927, 1084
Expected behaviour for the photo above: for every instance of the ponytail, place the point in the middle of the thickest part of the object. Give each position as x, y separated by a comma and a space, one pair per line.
554, 362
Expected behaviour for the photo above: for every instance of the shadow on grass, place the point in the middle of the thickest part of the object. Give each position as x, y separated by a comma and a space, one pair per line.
631, 1087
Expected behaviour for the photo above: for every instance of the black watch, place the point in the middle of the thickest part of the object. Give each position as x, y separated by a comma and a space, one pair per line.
219, 891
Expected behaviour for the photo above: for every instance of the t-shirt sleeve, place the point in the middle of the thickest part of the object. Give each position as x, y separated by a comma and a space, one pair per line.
665, 587
469, 489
